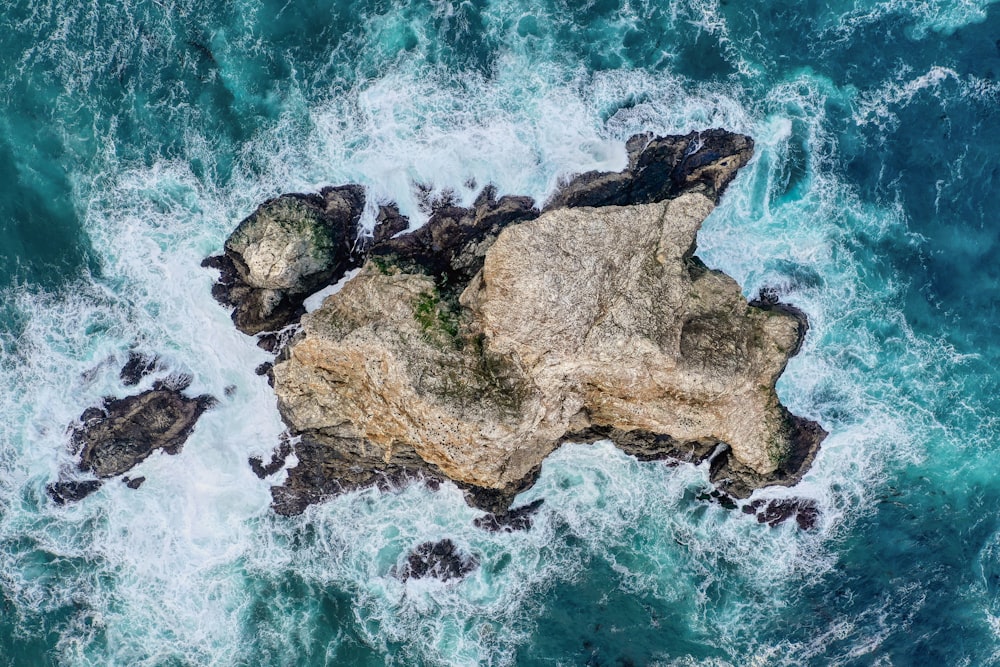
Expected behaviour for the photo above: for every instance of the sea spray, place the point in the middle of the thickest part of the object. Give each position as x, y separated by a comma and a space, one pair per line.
172, 122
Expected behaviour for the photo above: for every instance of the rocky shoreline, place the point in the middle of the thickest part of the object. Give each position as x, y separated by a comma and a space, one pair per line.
470, 348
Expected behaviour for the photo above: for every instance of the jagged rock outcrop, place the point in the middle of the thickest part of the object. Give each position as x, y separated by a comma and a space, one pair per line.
472, 347
287, 249
71, 491
441, 560
451, 247
582, 323
138, 366
519, 518
661, 168
776, 511
121, 433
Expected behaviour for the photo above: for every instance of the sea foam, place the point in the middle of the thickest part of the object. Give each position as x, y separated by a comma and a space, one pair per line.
182, 570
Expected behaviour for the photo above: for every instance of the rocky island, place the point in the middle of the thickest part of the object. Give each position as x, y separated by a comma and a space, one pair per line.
472, 347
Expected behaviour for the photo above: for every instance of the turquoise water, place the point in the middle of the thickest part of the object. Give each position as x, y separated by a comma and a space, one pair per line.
134, 135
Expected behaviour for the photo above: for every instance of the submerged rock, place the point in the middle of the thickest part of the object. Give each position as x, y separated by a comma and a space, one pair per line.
277, 462
472, 347
138, 366
518, 518
776, 511
133, 482
441, 560
70, 491
287, 249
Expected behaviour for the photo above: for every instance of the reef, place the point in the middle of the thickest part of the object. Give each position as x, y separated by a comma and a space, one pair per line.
472, 347
441, 560
118, 435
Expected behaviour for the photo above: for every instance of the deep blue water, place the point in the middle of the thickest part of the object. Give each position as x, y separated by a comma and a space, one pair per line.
135, 135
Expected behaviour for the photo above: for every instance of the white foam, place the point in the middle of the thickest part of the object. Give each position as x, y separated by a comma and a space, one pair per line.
919, 17
316, 300
165, 572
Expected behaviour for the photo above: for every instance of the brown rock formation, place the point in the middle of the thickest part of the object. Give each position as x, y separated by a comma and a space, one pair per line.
580, 321
123, 432
472, 347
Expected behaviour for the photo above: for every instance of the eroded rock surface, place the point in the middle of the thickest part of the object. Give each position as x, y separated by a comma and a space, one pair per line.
776, 511
661, 168
123, 432
287, 249
472, 347
138, 366
71, 491
519, 518
583, 323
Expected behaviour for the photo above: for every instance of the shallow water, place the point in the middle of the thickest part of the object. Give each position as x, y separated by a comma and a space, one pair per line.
135, 135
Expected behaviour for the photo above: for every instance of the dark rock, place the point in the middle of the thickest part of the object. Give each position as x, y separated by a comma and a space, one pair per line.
274, 341
174, 382
287, 249
92, 413
72, 491
452, 246
276, 463
647, 446
662, 168
429, 201
389, 222
498, 501
133, 482
442, 560
127, 430
516, 519
323, 471
224, 265
264, 368
138, 366
776, 511
268, 342
716, 496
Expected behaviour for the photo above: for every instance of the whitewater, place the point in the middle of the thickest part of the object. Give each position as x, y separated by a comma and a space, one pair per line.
133, 138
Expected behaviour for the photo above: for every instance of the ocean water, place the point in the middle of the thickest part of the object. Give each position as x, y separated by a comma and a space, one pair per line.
134, 135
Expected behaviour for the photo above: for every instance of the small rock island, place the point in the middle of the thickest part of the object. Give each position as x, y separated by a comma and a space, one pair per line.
472, 347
